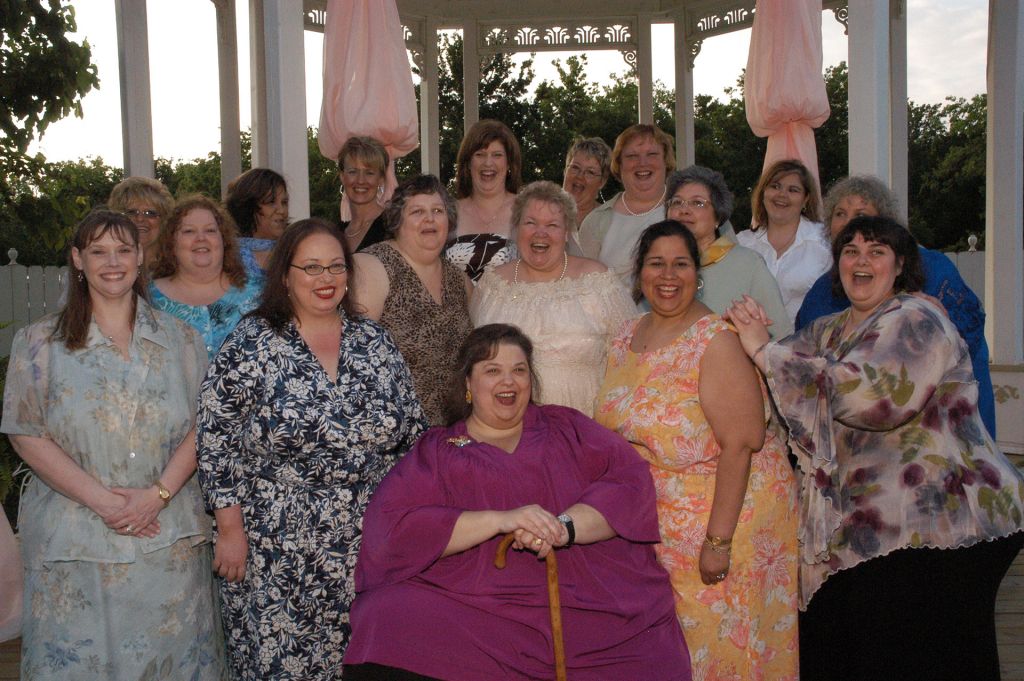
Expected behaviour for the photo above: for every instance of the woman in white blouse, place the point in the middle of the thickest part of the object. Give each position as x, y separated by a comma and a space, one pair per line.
787, 230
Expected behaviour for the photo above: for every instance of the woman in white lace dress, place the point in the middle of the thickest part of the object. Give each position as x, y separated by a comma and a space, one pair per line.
568, 306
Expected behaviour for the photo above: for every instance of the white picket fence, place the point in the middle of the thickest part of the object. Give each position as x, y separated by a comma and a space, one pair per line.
26, 294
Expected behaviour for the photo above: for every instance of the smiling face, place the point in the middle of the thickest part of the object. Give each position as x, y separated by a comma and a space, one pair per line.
424, 225
868, 271
321, 294
684, 208
198, 242
110, 265
784, 199
541, 236
642, 167
146, 217
583, 179
361, 181
272, 215
488, 167
848, 208
668, 277
501, 387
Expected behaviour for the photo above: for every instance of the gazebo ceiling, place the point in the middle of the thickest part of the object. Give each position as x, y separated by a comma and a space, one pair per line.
567, 25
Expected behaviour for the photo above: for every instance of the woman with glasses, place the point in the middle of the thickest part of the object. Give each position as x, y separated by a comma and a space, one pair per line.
303, 411
362, 163
418, 295
587, 168
787, 230
258, 203
148, 203
701, 201
198, 274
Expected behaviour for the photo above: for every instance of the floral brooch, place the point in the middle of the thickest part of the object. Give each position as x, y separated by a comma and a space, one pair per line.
460, 441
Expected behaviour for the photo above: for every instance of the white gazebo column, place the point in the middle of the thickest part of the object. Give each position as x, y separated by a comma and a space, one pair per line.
430, 144
870, 96
644, 69
227, 68
257, 85
136, 105
1004, 189
685, 142
470, 75
899, 172
287, 147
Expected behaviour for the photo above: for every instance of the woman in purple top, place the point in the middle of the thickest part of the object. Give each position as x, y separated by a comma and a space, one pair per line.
431, 604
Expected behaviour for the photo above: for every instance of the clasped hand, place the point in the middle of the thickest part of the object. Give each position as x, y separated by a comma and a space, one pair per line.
133, 511
535, 528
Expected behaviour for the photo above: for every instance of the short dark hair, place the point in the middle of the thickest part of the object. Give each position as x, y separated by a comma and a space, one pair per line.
275, 305
652, 234
721, 198
481, 134
247, 191
886, 231
414, 186
480, 345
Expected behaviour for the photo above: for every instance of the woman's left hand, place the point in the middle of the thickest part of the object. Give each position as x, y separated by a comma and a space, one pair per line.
714, 566
138, 517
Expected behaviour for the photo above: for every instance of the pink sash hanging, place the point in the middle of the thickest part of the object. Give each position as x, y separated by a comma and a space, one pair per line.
784, 88
368, 88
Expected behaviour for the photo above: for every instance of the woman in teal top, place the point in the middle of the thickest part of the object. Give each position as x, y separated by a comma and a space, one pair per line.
100, 403
198, 275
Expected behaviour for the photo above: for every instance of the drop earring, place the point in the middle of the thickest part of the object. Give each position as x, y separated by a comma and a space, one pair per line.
469, 397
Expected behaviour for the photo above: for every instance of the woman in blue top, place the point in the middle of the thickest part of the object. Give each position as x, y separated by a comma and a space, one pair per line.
258, 203
866, 195
198, 274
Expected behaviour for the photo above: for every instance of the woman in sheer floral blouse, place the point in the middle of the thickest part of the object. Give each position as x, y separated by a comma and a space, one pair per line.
910, 515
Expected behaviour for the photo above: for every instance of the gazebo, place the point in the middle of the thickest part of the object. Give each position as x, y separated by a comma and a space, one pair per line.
877, 95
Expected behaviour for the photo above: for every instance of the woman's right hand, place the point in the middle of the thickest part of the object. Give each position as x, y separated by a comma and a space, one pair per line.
229, 553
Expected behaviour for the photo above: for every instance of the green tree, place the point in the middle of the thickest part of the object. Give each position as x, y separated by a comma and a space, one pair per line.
45, 76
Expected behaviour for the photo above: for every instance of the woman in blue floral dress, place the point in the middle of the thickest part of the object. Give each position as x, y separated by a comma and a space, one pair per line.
909, 516
198, 274
100, 402
302, 413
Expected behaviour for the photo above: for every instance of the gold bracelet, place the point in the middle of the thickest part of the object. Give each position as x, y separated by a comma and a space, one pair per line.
712, 540
718, 549
165, 494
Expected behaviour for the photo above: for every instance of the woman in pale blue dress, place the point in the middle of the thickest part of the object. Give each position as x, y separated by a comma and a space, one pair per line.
100, 402
198, 274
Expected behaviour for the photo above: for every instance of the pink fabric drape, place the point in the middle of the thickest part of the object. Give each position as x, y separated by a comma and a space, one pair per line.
10, 582
784, 88
368, 88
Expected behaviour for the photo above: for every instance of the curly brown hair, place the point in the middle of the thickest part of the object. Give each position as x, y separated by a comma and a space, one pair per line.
166, 263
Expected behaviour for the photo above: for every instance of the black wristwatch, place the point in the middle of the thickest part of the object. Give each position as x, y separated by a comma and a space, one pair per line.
566, 520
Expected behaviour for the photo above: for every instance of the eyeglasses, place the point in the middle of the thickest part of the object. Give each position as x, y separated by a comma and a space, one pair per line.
589, 173
683, 203
315, 270
133, 213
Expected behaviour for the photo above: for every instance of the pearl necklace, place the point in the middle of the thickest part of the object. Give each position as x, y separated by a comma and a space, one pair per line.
565, 266
647, 212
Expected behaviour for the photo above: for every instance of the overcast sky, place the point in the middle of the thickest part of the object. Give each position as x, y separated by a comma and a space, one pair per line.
946, 55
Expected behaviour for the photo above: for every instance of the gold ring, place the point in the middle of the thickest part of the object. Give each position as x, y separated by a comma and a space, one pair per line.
129, 529
537, 542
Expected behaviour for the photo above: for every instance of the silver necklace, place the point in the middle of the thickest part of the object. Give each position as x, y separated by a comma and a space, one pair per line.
647, 212
565, 267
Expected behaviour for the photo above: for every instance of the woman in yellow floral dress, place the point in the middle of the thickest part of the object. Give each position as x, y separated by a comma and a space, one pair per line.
679, 388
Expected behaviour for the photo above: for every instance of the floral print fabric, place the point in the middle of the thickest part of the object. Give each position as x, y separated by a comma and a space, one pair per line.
302, 454
99, 604
892, 451
744, 627
216, 320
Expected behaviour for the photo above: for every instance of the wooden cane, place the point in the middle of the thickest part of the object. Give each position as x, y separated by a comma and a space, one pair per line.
554, 604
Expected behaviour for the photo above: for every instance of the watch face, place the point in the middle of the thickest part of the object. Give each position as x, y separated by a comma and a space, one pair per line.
565, 518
